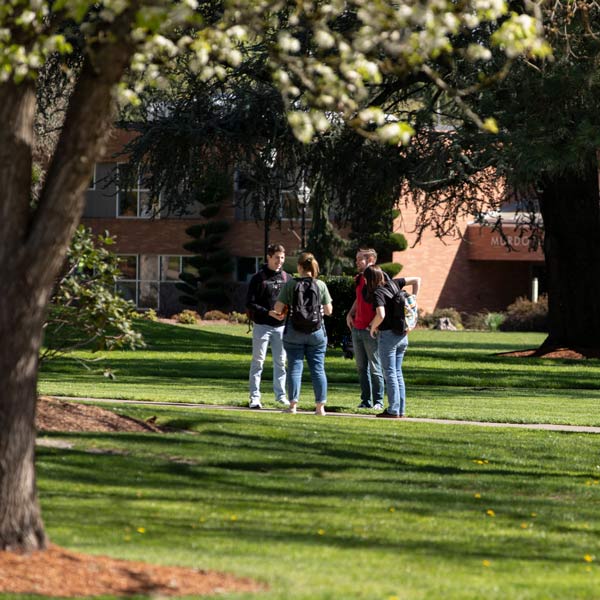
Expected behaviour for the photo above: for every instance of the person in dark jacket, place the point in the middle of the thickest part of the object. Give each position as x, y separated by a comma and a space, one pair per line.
268, 325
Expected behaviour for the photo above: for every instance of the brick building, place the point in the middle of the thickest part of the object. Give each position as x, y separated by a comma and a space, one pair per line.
475, 273
470, 274
151, 249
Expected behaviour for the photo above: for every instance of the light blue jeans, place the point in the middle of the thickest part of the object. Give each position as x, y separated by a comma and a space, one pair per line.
262, 336
366, 354
312, 346
392, 348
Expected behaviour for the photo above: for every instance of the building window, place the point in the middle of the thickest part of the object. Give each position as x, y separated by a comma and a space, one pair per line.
172, 266
133, 196
246, 266
127, 285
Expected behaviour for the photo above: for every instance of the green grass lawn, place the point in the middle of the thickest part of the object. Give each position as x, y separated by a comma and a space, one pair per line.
457, 375
334, 508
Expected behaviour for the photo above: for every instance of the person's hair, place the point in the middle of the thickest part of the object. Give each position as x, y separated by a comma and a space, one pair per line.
374, 277
309, 264
368, 252
272, 248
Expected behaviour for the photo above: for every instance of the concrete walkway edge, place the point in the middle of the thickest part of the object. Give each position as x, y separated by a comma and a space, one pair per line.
543, 426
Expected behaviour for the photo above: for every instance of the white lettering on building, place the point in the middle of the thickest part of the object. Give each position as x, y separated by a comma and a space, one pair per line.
514, 241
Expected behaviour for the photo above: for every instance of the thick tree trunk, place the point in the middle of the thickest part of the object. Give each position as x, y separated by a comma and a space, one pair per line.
570, 206
33, 244
21, 524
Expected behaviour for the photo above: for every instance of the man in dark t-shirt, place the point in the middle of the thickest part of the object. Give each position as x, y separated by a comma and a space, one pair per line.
268, 325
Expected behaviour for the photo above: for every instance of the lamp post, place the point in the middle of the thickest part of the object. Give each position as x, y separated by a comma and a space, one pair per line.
303, 200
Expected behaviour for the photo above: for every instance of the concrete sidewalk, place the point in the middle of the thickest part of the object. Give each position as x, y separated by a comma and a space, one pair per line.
544, 426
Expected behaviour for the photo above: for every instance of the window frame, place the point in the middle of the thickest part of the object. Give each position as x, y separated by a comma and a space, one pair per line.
138, 191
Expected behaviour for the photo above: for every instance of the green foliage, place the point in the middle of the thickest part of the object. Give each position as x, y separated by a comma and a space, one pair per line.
484, 321
392, 269
206, 288
236, 317
187, 317
525, 315
215, 315
85, 310
146, 315
430, 319
342, 290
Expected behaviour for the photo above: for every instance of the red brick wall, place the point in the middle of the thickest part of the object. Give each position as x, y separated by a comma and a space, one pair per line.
451, 279
167, 236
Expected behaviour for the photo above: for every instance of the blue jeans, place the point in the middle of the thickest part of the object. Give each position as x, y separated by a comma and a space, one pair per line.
366, 354
262, 336
312, 346
391, 350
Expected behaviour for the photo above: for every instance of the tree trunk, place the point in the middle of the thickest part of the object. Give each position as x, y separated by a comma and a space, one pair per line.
570, 207
21, 524
33, 244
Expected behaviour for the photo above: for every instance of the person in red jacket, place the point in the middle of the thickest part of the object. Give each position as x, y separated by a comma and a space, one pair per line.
366, 353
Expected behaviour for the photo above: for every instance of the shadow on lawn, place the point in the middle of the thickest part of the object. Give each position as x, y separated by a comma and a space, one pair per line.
283, 470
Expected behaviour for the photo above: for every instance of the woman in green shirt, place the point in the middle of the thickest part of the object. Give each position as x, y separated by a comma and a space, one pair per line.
305, 299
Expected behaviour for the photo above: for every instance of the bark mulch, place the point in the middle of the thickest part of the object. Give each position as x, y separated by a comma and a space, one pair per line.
569, 353
62, 573
58, 572
60, 415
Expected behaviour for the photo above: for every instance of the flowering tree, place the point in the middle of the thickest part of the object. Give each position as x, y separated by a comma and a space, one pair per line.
327, 52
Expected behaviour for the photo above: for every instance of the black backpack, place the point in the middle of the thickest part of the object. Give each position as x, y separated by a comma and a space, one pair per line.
399, 307
306, 310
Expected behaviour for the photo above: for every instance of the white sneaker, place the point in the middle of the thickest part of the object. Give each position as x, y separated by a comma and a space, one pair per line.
255, 404
283, 401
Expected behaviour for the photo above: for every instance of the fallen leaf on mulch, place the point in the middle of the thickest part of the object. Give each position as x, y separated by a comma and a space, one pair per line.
60, 572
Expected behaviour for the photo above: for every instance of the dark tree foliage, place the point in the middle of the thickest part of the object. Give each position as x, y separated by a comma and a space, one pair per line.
546, 153
238, 128
203, 286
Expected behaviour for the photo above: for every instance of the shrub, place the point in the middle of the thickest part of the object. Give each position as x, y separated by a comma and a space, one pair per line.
391, 268
86, 310
341, 288
485, 321
215, 315
146, 315
430, 319
187, 317
525, 315
236, 317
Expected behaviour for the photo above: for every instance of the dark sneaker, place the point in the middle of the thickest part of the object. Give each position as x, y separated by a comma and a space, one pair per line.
363, 405
386, 415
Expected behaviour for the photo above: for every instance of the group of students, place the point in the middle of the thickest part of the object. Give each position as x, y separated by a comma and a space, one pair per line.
288, 316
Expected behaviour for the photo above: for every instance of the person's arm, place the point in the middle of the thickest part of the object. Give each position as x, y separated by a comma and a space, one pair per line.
415, 282
328, 309
350, 316
282, 303
377, 320
280, 310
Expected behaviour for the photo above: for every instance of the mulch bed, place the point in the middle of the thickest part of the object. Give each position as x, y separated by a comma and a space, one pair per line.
58, 572
568, 353
60, 415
